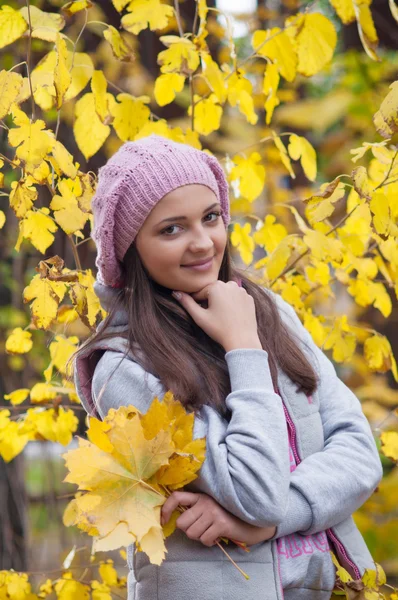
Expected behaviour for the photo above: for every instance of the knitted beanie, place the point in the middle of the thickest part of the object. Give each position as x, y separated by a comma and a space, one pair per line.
132, 182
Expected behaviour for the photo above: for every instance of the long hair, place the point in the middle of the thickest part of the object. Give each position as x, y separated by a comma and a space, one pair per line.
176, 350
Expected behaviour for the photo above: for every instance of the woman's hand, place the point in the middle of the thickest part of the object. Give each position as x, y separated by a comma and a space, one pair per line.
207, 521
230, 318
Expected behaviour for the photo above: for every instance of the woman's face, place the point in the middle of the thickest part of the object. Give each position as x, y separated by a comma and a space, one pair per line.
185, 226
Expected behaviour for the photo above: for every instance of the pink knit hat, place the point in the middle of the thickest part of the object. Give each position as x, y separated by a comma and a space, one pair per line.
132, 182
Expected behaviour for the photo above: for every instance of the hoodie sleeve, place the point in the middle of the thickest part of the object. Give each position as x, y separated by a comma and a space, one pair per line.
246, 469
328, 486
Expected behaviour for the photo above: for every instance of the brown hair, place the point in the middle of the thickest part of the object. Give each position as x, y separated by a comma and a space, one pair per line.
177, 351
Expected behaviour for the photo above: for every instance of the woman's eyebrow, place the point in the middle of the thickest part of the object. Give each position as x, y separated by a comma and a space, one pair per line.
181, 217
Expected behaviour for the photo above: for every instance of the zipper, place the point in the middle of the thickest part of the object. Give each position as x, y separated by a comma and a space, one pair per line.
329, 532
341, 550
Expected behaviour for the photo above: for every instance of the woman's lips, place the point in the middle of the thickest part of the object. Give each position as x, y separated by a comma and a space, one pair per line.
203, 267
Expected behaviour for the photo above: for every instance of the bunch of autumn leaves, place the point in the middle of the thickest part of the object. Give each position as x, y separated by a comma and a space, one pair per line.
126, 469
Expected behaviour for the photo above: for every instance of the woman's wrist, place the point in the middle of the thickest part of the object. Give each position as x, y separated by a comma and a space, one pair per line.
237, 344
250, 534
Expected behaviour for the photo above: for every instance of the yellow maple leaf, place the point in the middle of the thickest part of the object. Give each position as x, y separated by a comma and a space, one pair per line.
250, 173
240, 94
318, 272
270, 234
314, 39
314, 324
120, 48
42, 392
389, 440
300, 148
166, 86
60, 350
207, 114
366, 29
89, 131
32, 140
146, 13
10, 86
379, 355
84, 298
17, 396
386, 118
276, 45
283, 154
37, 227
214, 77
45, 26
51, 425
12, 25
43, 77
67, 212
241, 238
181, 55
46, 296
22, 196
19, 341
108, 572
321, 205
118, 468
130, 115
270, 88
375, 578
62, 76
64, 160
344, 9
13, 439
277, 261
361, 183
69, 589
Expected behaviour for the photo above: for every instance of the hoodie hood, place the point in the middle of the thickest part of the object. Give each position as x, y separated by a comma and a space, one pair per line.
84, 365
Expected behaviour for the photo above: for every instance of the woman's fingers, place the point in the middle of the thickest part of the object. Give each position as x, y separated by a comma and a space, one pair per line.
198, 527
176, 498
211, 536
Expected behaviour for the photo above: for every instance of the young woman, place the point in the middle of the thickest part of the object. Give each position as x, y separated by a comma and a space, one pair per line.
289, 455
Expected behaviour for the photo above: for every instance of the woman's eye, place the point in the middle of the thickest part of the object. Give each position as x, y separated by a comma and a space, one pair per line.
217, 213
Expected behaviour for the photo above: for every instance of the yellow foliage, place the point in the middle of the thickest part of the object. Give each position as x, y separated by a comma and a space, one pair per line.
300, 148
314, 39
241, 238
19, 341
166, 86
45, 26
46, 296
122, 469
250, 173
386, 119
389, 440
270, 234
181, 55
120, 48
12, 25
60, 351
276, 44
17, 396
145, 13
129, 115
10, 86
207, 114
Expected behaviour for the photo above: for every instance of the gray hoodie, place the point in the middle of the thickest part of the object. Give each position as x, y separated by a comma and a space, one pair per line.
247, 470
